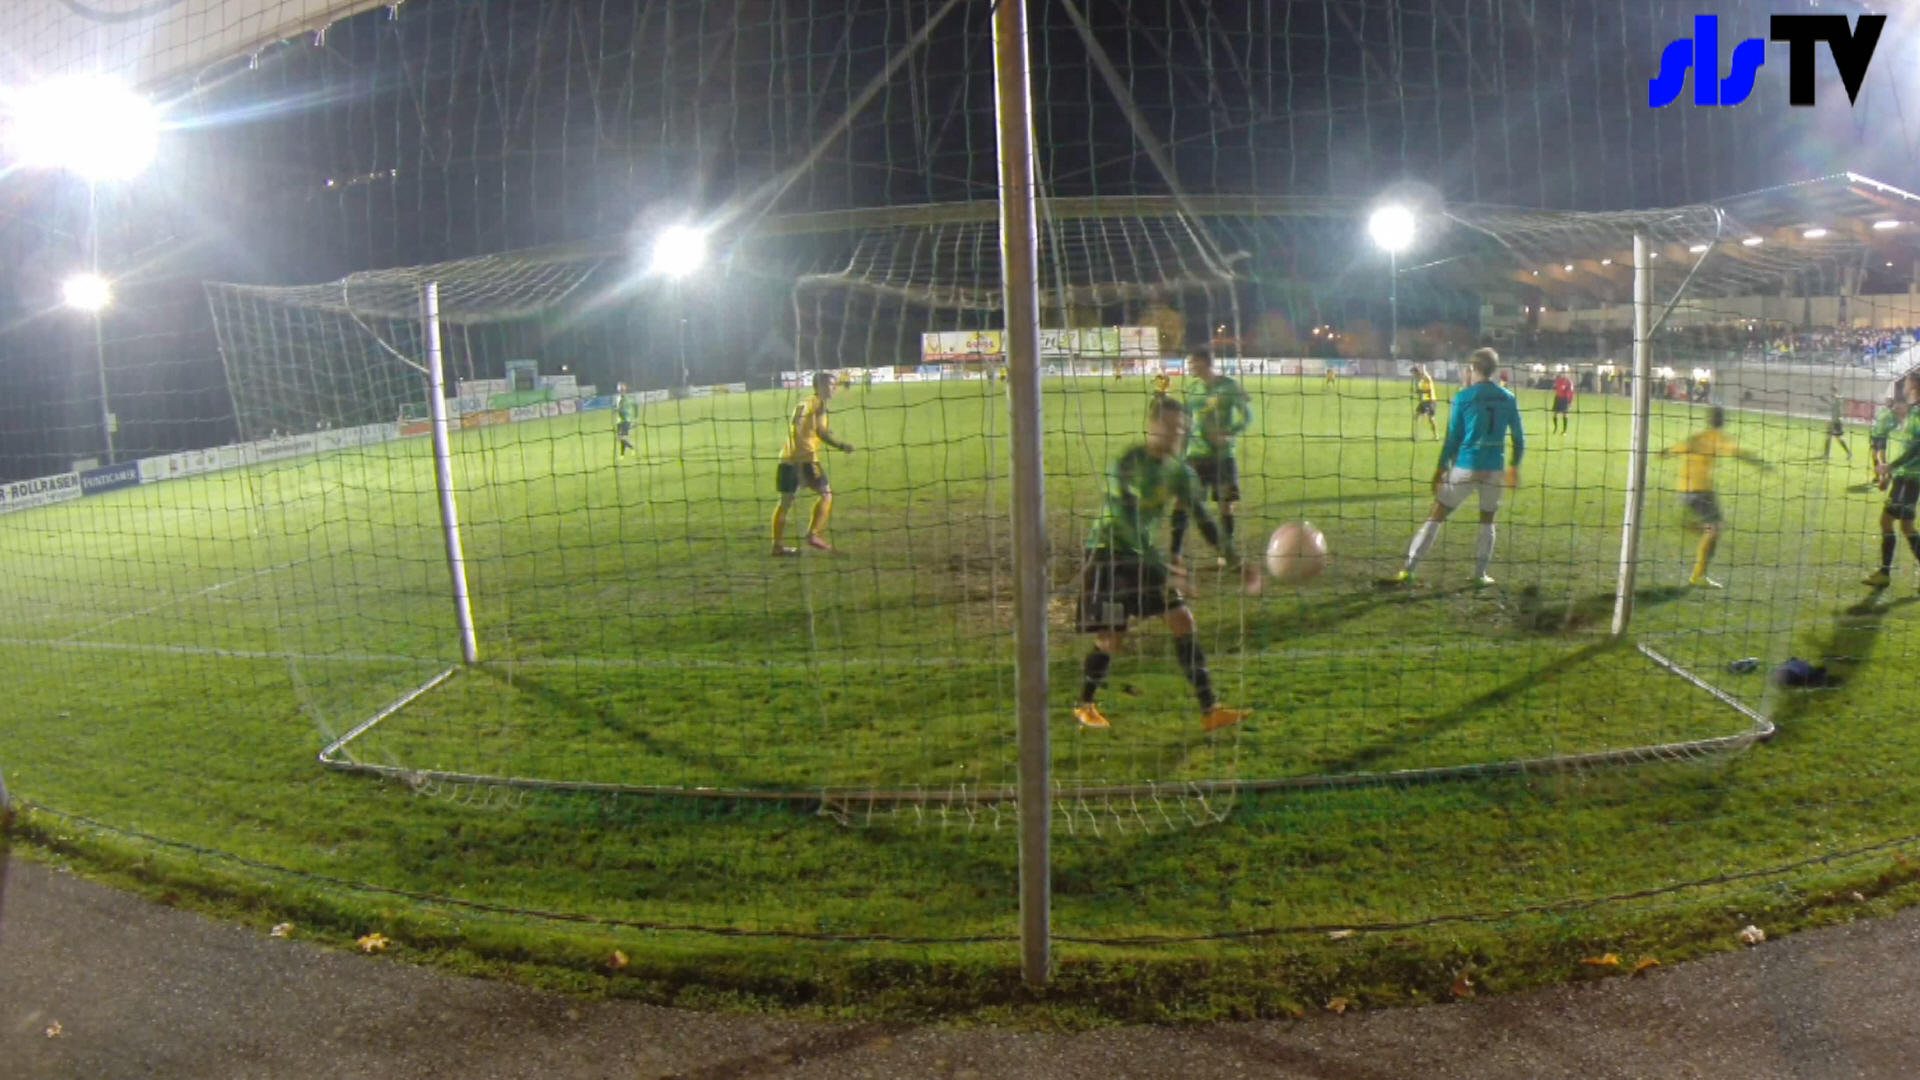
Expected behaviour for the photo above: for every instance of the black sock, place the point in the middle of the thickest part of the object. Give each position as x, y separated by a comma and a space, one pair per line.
1887, 544
1913, 545
1226, 528
1094, 672
1179, 530
1194, 663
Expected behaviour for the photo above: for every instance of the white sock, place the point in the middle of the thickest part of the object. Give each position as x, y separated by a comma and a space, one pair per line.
1483, 551
1422, 540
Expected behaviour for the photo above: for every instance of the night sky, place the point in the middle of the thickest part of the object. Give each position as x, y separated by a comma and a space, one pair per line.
466, 128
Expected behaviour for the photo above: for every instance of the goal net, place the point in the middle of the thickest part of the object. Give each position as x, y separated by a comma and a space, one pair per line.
637, 633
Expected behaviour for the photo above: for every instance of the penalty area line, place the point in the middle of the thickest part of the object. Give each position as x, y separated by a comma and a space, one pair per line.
196, 594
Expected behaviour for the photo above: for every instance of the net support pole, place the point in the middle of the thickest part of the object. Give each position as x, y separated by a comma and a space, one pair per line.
1019, 277
443, 470
1630, 524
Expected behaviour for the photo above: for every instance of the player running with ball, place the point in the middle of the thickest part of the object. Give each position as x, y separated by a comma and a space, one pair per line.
1483, 417
1125, 577
800, 465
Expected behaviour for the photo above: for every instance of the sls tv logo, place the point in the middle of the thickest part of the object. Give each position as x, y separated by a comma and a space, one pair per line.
1852, 47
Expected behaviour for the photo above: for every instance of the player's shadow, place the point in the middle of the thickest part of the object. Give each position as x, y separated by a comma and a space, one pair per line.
1844, 649
1535, 613
1426, 729
1289, 622
646, 740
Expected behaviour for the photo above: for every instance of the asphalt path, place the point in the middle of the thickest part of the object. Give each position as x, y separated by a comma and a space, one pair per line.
143, 990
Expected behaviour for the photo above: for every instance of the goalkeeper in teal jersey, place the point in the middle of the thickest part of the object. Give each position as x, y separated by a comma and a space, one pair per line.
1484, 417
1901, 479
1220, 411
626, 410
1125, 577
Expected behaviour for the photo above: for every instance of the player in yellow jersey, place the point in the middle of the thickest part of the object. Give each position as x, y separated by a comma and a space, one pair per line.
1698, 454
1162, 391
1424, 402
1331, 377
800, 465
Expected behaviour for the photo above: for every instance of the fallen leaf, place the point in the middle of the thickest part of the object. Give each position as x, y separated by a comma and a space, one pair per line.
284, 929
617, 961
1645, 963
1856, 897
1752, 935
1337, 1005
1462, 986
1608, 960
1339, 935
54, 1030
373, 943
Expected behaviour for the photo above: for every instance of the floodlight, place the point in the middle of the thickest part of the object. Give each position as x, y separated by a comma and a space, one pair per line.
1697, 249
86, 292
679, 251
91, 126
1752, 241
1606, 262
1568, 268
1814, 233
1886, 224
1392, 228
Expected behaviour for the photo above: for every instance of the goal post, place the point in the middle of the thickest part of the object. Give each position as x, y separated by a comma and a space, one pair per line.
443, 471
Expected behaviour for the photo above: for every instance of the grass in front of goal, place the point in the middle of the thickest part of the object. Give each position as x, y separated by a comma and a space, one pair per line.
177, 653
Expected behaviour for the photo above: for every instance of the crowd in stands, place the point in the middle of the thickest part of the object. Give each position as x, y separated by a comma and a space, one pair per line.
1718, 343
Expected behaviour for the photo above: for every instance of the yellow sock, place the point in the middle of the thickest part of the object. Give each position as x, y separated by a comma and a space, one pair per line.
779, 523
817, 523
1704, 555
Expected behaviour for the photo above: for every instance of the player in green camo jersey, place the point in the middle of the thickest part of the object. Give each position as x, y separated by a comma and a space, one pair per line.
1836, 424
1221, 411
626, 410
1125, 577
1901, 479
1886, 420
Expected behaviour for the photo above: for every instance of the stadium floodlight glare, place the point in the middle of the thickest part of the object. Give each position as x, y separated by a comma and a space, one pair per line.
1753, 241
1606, 262
1392, 228
86, 292
679, 251
87, 125
1814, 233
1568, 268
1888, 224
1697, 249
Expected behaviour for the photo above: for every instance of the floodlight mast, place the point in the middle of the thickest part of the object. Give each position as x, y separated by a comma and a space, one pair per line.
1392, 229
678, 252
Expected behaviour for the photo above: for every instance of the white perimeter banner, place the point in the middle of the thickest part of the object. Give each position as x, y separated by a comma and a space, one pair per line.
21, 494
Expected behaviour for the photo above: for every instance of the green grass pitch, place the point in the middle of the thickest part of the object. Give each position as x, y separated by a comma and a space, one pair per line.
177, 653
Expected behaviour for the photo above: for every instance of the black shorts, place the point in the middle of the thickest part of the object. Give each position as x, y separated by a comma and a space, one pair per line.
789, 478
1702, 505
623, 428
1877, 443
1219, 476
1562, 404
1902, 494
1425, 408
1116, 588
1836, 430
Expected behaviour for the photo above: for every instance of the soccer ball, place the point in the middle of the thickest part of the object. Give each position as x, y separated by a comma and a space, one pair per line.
1296, 552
